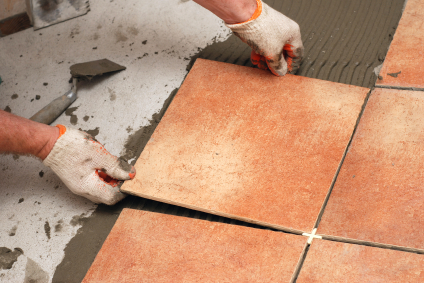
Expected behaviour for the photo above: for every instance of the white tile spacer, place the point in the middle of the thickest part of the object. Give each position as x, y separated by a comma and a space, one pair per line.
312, 236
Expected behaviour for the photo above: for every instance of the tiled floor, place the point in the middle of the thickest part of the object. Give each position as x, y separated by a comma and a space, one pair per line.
211, 144
151, 247
379, 192
241, 143
404, 63
229, 155
332, 262
40, 216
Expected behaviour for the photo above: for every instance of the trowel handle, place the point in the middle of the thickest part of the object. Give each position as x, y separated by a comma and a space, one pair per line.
50, 113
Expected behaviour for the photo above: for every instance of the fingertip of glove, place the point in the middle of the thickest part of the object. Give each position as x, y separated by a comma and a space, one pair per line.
114, 200
277, 73
132, 173
130, 169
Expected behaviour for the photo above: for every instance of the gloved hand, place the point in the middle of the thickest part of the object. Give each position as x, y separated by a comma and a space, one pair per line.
274, 38
86, 167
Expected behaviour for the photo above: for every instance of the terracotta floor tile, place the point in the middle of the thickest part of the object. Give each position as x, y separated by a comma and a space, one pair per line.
328, 262
151, 247
379, 193
405, 59
242, 143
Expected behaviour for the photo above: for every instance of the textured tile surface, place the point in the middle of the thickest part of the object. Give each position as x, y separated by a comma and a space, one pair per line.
379, 193
332, 262
151, 247
239, 142
405, 59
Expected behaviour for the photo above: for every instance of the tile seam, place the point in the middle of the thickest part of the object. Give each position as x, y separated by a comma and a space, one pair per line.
371, 244
299, 264
333, 182
400, 88
302, 259
338, 239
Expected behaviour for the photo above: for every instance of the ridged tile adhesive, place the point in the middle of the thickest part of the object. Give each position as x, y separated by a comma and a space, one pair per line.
344, 40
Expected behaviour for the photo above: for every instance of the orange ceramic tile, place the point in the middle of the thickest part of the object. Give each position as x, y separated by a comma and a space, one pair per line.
151, 247
404, 63
379, 193
340, 262
242, 143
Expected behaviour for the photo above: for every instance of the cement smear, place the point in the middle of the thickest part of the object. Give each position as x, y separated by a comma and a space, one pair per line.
344, 40
137, 141
34, 273
9, 257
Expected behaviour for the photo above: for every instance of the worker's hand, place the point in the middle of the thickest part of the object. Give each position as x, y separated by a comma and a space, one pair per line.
274, 38
87, 168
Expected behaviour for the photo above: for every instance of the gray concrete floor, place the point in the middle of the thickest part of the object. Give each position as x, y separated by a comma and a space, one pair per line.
154, 40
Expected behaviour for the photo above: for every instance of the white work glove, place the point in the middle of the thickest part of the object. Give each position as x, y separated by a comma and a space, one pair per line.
86, 167
274, 38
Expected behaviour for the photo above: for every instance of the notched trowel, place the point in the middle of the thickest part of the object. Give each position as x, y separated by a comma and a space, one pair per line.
82, 71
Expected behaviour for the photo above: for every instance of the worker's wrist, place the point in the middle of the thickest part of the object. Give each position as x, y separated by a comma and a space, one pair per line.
51, 136
230, 11
250, 10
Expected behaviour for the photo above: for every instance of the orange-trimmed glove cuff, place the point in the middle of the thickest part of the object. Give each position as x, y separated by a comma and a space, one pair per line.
257, 12
62, 130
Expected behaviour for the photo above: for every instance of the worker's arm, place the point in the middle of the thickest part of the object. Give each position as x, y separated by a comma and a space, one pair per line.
274, 38
22, 136
82, 163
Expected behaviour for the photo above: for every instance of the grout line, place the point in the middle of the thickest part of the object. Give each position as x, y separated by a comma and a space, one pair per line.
312, 235
299, 264
371, 244
400, 88
327, 197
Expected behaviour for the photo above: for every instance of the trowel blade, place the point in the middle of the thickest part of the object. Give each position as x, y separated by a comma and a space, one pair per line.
88, 70
45, 13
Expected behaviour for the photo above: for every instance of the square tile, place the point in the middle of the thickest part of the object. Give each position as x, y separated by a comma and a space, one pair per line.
404, 63
379, 193
340, 262
241, 143
151, 247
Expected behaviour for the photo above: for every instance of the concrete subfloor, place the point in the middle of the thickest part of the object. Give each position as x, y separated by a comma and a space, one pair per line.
55, 233
154, 40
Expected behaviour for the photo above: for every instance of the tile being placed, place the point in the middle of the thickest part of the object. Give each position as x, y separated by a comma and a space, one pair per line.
379, 193
404, 63
151, 247
242, 143
341, 262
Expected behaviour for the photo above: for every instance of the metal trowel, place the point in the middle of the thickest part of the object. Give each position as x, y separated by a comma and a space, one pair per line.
82, 71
